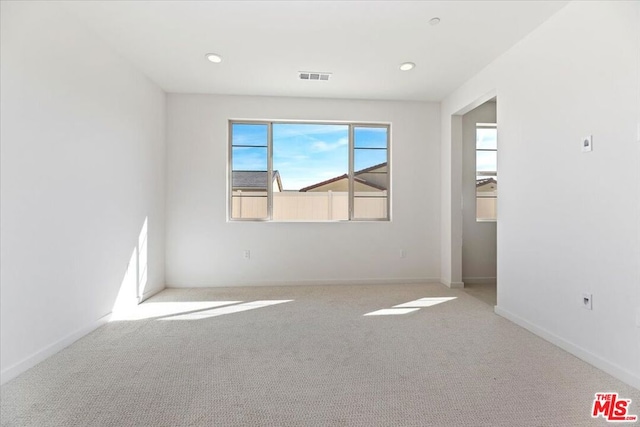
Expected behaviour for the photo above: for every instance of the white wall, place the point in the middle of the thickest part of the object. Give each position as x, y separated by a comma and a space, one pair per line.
478, 238
82, 166
203, 249
577, 74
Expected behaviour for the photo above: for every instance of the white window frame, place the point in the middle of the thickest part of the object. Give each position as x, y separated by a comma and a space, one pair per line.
351, 173
486, 173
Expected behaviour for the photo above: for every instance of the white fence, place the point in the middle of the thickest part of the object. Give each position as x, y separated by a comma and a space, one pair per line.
486, 208
309, 206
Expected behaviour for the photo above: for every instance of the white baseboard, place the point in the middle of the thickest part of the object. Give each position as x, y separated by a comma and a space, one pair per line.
343, 282
30, 361
479, 280
452, 285
595, 360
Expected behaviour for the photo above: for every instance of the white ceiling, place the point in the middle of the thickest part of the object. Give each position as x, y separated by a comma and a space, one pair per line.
265, 43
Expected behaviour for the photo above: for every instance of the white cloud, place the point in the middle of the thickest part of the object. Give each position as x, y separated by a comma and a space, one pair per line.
321, 146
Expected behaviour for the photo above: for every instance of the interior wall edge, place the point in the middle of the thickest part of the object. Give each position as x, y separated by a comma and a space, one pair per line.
452, 285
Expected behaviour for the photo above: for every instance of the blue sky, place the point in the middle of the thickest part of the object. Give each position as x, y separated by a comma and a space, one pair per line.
306, 154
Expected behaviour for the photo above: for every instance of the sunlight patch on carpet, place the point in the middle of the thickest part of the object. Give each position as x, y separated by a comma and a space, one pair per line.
150, 310
205, 314
425, 302
391, 311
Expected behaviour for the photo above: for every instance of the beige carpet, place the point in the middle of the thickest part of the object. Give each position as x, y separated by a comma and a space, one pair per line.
313, 361
486, 292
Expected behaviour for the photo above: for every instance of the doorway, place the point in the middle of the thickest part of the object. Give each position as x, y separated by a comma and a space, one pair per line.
479, 201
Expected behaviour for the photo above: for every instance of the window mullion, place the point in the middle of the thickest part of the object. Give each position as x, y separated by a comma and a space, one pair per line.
270, 171
351, 172
388, 173
230, 170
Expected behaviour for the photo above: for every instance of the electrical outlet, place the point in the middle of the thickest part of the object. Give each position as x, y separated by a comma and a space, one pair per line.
246, 254
403, 253
587, 144
587, 301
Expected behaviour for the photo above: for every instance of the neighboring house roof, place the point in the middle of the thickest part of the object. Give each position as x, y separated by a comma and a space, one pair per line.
355, 178
371, 168
481, 182
254, 180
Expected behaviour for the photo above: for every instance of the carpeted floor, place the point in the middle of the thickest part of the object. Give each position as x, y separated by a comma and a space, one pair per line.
307, 356
486, 292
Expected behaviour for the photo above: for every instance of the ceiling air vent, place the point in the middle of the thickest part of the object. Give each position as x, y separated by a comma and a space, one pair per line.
313, 75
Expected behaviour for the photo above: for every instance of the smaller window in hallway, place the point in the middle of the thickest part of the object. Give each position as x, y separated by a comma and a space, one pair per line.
486, 171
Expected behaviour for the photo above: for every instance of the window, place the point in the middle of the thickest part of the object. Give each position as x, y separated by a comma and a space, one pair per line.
486, 171
284, 171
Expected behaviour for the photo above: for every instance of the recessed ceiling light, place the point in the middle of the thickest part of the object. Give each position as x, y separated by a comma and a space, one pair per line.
434, 21
406, 66
213, 57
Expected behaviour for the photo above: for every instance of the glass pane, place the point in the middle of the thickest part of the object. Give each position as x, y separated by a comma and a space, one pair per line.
487, 186
366, 159
372, 180
249, 159
249, 181
248, 205
487, 138
370, 207
370, 137
249, 134
311, 157
486, 161
486, 208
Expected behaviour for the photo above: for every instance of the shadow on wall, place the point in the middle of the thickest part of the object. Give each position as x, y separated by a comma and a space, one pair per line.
135, 278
